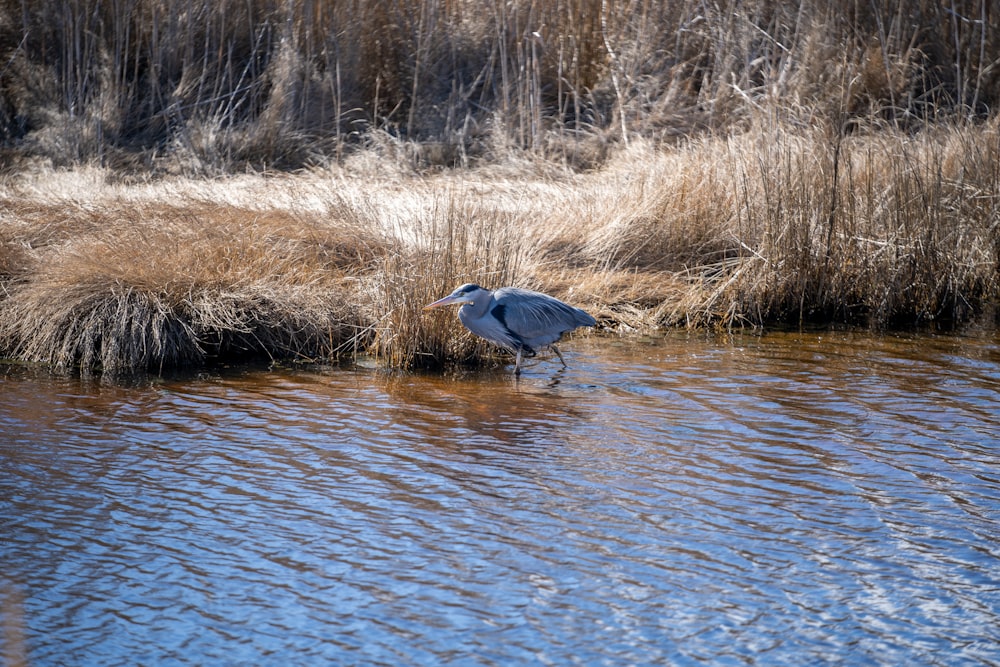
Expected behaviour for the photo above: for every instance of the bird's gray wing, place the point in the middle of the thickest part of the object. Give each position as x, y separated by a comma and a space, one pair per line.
536, 318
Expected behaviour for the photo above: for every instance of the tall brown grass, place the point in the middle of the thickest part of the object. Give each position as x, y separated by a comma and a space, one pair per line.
454, 241
211, 86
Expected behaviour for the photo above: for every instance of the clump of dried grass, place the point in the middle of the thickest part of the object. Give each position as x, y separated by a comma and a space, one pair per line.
89, 326
454, 242
159, 288
877, 228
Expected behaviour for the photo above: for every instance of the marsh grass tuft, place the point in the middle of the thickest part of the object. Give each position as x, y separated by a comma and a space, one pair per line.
457, 241
161, 288
876, 229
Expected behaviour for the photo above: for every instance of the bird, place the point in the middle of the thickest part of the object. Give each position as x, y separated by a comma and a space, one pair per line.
519, 320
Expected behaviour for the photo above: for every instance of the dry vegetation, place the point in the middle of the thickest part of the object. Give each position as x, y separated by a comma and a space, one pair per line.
658, 163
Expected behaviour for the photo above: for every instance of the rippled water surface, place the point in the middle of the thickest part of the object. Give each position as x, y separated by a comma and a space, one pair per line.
788, 499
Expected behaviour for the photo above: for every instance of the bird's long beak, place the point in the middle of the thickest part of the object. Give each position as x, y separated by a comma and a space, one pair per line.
447, 301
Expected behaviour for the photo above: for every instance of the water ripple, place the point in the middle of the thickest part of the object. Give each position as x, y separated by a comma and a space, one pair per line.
788, 499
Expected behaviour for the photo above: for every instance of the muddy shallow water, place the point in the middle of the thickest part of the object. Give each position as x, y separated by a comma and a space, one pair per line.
806, 498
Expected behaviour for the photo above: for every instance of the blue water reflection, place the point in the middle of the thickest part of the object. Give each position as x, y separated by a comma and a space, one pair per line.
789, 499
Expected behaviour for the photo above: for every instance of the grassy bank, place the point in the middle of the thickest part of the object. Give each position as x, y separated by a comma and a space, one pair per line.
184, 180
772, 225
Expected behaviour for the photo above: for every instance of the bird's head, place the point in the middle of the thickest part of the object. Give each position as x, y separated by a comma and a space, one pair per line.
465, 294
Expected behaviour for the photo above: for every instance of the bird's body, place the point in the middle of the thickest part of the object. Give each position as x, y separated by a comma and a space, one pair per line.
518, 320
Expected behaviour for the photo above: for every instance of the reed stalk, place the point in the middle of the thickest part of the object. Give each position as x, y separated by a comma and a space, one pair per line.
200, 87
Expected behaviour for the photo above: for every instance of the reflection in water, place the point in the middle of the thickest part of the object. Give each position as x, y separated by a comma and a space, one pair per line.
789, 499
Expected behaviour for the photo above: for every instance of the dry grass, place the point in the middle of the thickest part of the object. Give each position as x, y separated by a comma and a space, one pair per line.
454, 242
659, 163
773, 225
211, 87
158, 286
883, 228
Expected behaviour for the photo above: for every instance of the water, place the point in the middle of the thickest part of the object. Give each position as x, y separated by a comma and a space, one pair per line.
790, 499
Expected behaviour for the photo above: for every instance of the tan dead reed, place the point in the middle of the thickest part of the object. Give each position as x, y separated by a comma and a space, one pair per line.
214, 86
457, 241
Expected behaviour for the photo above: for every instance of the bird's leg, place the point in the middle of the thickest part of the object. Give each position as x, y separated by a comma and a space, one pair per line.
559, 354
517, 364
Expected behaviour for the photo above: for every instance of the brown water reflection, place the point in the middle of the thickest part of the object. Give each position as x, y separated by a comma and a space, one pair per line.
800, 498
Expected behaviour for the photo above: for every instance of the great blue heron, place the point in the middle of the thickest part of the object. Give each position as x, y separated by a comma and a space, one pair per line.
518, 320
